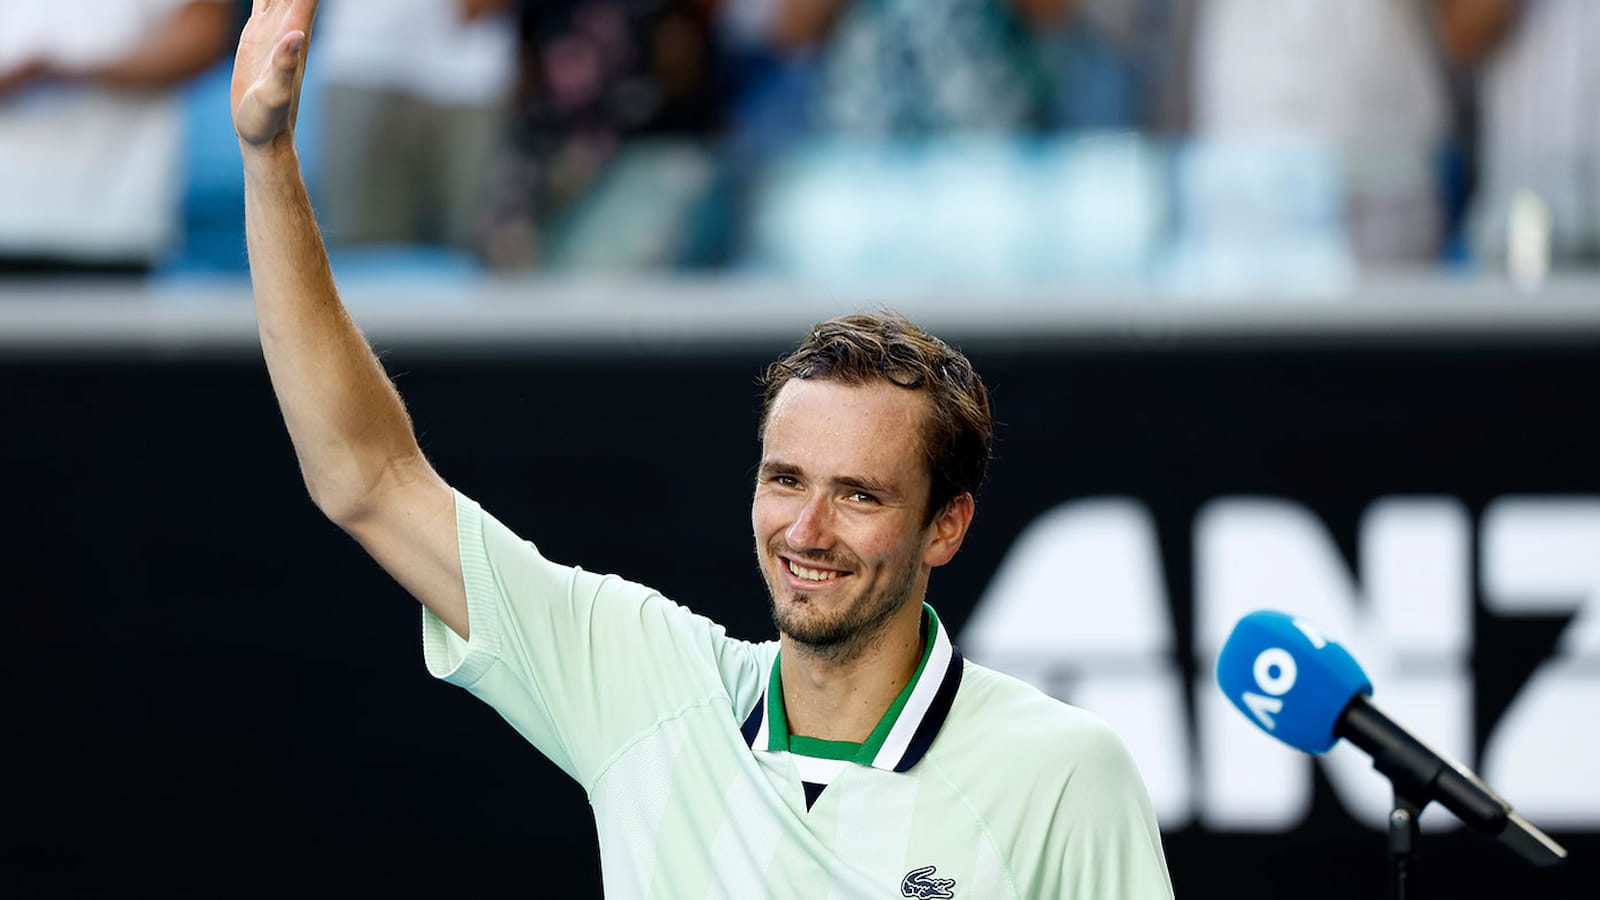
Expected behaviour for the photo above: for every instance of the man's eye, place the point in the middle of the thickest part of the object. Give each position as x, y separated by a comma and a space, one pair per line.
785, 480
862, 497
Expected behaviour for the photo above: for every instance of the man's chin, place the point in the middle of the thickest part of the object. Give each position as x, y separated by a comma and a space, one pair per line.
797, 618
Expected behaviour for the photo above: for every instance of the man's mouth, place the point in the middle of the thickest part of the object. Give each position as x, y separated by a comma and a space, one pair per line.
807, 573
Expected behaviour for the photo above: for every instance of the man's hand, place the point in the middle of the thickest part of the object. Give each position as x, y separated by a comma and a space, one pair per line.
268, 69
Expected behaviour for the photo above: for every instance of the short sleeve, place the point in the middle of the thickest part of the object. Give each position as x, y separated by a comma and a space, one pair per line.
1107, 838
580, 664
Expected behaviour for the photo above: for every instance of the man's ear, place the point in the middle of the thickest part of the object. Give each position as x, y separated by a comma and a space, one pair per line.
948, 529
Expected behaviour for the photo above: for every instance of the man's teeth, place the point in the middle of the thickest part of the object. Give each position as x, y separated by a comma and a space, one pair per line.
810, 574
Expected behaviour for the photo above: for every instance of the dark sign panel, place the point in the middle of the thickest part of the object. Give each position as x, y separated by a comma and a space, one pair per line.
211, 691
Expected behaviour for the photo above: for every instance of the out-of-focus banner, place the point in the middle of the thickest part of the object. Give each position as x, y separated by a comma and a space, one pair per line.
212, 691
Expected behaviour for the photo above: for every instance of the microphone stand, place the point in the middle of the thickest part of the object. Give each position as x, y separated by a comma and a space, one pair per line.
1419, 775
1403, 836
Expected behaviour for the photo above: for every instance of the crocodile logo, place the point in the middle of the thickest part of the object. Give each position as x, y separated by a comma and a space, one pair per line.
921, 885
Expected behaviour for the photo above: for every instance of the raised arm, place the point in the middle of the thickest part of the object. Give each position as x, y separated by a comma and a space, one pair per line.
357, 452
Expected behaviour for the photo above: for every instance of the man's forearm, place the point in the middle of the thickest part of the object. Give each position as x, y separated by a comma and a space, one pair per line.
349, 428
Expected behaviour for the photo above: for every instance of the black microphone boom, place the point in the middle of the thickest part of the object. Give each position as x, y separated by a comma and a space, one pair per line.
1420, 775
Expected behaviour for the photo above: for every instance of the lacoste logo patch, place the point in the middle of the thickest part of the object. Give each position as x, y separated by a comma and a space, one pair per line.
920, 884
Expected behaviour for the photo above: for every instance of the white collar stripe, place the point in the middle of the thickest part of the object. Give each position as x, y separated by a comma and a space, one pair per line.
764, 731
818, 771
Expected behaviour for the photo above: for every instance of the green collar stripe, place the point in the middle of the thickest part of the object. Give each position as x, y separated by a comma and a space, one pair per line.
777, 716
820, 749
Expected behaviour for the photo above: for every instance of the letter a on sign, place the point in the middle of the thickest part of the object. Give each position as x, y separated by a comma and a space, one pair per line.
1263, 708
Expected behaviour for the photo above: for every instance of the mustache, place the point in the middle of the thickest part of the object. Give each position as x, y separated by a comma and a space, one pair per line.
820, 557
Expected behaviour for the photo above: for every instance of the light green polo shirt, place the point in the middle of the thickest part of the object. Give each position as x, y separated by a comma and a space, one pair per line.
974, 785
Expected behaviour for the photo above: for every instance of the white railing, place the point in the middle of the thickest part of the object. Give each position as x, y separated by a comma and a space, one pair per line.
670, 314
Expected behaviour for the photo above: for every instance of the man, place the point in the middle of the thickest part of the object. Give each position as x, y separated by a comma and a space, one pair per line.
857, 756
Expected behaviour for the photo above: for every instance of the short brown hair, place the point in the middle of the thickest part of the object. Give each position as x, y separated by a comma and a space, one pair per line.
856, 349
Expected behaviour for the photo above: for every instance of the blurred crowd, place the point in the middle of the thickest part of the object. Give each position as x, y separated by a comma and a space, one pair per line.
1184, 142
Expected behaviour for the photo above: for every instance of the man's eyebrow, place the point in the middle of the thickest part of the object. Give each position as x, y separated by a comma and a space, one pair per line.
864, 483
771, 467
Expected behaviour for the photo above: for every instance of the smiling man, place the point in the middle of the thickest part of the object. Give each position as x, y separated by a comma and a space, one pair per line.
858, 755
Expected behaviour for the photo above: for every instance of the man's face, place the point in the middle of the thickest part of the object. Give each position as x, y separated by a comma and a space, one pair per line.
839, 505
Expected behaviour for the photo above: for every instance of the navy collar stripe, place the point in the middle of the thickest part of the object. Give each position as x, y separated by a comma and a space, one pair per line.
752, 725
937, 711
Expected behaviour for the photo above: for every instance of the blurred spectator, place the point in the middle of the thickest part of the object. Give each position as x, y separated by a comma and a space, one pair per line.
926, 163
1359, 79
937, 67
616, 103
90, 130
772, 84
416, 102
904, 68
1539, 121
1110, 64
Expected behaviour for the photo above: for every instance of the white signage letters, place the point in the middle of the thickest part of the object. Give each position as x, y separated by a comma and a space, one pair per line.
1079, 608
1541, 556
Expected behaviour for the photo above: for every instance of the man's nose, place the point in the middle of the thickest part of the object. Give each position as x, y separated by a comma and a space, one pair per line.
811, 529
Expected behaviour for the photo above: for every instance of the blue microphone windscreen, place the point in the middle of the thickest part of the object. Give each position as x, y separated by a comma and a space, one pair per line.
1289, 679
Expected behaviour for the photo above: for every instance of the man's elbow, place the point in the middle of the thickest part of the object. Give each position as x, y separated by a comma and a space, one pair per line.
351, 498
341, 506
346, 498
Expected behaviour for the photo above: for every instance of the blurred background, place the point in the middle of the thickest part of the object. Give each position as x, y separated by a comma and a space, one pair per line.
1284, 303
1147, 145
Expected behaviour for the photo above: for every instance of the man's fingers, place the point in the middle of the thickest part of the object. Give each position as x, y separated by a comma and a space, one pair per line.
272, 52
287, 55
276, 87
296, 13
286, 10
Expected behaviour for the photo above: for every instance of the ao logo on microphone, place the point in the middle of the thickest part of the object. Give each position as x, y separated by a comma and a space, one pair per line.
1275, 672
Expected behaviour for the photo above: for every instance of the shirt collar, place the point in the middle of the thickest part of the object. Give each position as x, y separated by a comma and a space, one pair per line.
906, 731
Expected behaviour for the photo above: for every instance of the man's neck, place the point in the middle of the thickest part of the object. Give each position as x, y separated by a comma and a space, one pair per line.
843, 700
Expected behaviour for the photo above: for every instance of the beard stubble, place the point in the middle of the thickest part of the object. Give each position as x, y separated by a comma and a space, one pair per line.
853, 630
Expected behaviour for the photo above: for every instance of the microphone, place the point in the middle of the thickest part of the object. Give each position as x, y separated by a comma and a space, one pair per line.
1309, 692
